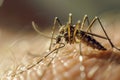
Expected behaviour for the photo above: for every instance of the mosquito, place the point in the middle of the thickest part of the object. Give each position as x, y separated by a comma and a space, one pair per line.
75, 33
72, 34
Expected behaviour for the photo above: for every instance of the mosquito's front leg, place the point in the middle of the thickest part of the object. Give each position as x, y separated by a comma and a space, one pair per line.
53, 30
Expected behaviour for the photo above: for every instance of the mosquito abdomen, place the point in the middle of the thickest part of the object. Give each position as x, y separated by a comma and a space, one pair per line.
90, 41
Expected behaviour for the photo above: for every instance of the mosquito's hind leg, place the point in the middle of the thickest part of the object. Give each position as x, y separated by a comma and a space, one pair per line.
112, 45
91, 25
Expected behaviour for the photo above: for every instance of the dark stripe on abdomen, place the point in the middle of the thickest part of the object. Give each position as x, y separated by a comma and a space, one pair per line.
88, 40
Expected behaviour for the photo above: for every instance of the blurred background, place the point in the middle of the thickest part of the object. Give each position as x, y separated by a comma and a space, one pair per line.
20, 13
16, 31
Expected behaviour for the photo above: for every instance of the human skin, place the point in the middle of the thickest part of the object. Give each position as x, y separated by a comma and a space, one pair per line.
98, 65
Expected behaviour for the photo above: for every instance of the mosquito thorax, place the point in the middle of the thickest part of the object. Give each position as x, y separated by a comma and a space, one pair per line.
80, 33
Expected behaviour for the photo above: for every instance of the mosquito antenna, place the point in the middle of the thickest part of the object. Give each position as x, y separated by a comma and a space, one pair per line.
35, 26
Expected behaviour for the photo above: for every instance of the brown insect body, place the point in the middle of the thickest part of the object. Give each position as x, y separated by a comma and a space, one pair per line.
80, 35
71, 34
75, 34
90, 41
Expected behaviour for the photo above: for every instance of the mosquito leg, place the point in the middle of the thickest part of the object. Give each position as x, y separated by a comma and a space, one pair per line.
112, 45
53, 30
52, 58
85, 18
61, 45
70, 18
77, 27
56, 52
68, 26
80, 48
90, 26
59, 22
